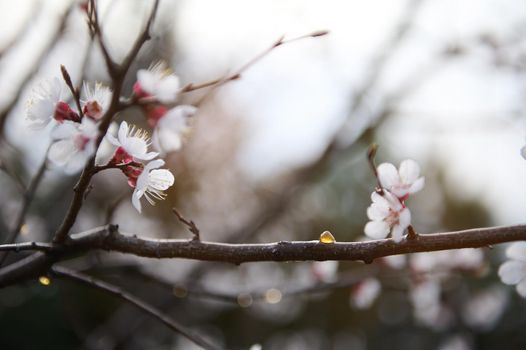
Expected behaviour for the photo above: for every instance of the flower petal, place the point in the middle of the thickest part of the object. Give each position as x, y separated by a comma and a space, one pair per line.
388, 175
167, 89
417, 185
409, 171
161, 179
517, 251
61, 151
512, 272
136, 200
377, 229
521, 288
123, 133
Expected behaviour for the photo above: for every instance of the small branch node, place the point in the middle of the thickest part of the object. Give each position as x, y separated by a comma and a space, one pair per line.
192, 227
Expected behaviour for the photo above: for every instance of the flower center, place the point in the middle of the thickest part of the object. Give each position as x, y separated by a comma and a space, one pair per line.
121, 157
93, 110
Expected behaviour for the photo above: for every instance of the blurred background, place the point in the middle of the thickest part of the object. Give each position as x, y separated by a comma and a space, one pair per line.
280, 154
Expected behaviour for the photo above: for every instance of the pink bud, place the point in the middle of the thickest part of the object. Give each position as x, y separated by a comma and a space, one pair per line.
64, 112
154, 114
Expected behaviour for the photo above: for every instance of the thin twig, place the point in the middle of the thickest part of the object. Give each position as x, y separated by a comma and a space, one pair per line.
25, 246
75, 92
191, 225
28, 198
371, 154
90, 281
237, 74
95, 31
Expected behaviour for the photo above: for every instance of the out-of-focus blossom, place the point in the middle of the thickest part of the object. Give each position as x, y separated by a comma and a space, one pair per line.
394, 261
75, 144
428, 309
95, 101
458, 259
387, 215
401, 182
151, 183
45, 105
455, 342
132, 144
483, 310
365, 293
157, 82
513, 271
172, 128
325, 271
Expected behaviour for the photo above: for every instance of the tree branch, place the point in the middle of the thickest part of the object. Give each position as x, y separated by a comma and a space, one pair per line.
28, 198
108, 238
296, 250
119, 292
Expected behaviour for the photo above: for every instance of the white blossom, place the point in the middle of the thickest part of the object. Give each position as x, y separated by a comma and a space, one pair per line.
402, 182
365, 293
95, 102
157, 82
152, 183
326, 271
75, 144
133, 141
387, 215
513, 271
42, 103
172, 127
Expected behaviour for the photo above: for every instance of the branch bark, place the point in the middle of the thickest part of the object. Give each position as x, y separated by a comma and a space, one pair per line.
108, 238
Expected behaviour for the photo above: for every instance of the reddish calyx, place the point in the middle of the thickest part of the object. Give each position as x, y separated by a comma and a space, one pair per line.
64, 112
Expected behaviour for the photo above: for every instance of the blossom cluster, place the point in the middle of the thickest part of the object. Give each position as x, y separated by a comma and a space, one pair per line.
388, 212
76, 134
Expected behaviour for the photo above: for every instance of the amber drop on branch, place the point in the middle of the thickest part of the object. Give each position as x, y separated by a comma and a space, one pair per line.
44, 280
327, 237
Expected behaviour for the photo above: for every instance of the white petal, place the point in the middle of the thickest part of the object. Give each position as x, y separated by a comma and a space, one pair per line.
521, 288
512, 272
135, 146
161, 179
154, 164
166, 140
111, 139
178, 116
149, 156
388, 175
123, 132
65, 130
404, 218
167, 89
377, 229
377, 212
61, 151
136, 200
523, 152
398, 233
409, 171
76, 163
146, 80
417, 185
379, 200
517, 251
